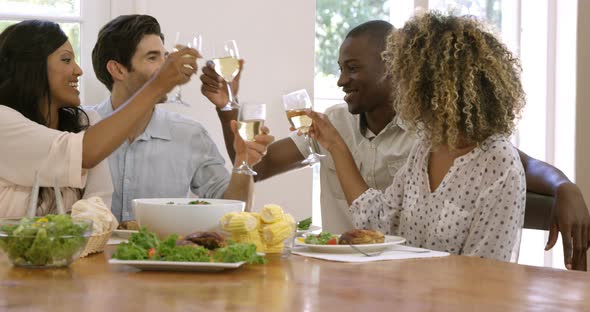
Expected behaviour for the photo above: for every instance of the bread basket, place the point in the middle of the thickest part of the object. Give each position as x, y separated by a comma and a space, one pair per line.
96, 243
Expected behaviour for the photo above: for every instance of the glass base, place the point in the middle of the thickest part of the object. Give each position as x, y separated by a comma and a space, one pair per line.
178, 100
244, 169
313, 159
227, 107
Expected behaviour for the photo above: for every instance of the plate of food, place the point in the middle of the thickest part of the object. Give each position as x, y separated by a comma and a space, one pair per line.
182, 266
365, 240
199, 251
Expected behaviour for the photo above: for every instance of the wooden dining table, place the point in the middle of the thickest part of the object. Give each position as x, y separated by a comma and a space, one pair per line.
451, 283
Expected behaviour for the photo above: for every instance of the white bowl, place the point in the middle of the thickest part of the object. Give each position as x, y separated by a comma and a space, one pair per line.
163, 218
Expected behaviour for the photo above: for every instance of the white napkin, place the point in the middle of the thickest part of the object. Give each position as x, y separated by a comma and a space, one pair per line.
393, 253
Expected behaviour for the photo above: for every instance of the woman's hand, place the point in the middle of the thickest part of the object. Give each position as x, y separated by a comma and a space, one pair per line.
177, 69
324, 132
255, 150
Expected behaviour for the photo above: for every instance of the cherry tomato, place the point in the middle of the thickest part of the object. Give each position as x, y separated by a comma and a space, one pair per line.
332, 241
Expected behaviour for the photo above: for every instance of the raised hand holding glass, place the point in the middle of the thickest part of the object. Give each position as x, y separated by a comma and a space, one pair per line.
295, 104
182, 41
227, 65
250, 122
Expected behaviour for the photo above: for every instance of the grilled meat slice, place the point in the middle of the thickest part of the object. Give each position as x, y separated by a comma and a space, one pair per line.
209, 240
358, 237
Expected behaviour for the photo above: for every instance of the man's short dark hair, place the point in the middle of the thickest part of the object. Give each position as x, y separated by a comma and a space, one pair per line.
376, 31
118, 40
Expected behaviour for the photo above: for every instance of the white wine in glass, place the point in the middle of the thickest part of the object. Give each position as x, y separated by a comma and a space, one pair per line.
299, 120
295, 104
227, 65
250, 121
249, 129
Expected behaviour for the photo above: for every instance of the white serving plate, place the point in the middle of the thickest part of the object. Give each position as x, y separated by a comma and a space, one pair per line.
150, 265
389, 241
124, 234
312, 228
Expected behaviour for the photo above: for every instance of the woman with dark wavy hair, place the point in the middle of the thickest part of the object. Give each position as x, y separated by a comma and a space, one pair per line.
42, 127
462, 189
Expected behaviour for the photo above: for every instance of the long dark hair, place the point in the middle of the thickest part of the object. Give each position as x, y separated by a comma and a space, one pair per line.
24, 48
24, 84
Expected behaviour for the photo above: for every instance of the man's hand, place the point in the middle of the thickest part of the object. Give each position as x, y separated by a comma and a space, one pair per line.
570, 217
255, 150
213, 86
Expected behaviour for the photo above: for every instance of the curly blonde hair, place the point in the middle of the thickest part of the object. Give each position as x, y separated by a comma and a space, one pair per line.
454, 82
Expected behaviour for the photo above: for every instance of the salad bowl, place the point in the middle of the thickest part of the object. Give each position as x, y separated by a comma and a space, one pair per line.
44, 242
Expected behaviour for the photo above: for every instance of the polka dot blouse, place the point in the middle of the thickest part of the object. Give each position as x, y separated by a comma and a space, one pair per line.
477, 210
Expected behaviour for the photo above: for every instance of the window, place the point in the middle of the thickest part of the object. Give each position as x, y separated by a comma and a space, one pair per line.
80, 20
64, 12
333, 21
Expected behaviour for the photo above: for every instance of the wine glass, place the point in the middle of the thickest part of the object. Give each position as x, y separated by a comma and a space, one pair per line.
295, 104
227, 65
191, 41
250, 121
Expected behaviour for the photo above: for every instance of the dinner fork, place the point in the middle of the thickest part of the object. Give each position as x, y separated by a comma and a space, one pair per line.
371, 254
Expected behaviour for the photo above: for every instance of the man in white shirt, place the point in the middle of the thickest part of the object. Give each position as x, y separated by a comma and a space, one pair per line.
380, 144
168, 154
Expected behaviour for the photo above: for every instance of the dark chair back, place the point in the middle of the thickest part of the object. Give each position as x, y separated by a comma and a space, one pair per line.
537, 213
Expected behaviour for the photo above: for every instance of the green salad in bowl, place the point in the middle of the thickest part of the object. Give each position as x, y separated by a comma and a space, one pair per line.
44, 242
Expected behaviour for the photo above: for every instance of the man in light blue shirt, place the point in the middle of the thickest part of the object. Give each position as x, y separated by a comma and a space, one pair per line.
169, 154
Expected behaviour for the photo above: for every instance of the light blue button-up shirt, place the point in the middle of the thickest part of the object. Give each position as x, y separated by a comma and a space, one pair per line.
173, 154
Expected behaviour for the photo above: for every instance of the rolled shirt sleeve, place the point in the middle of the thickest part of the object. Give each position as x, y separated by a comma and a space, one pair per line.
211, 178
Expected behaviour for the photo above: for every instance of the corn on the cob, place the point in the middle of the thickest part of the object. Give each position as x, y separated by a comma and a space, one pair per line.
278, 248
289, 219
271, 213
267, 229
224, 221
276, 232
242, 223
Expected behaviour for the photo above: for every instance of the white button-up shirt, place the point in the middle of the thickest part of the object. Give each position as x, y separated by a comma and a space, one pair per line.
172, 156
378, 158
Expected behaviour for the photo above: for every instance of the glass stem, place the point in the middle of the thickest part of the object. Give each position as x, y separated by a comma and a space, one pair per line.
246, 159
230, 96
308, 139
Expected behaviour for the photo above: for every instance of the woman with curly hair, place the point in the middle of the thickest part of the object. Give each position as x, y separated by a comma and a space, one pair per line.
463, 188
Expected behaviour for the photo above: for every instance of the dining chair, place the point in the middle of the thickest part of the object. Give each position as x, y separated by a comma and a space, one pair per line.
537, 213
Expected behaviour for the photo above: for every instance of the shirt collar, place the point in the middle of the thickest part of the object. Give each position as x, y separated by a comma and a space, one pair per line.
367, 133
158, 127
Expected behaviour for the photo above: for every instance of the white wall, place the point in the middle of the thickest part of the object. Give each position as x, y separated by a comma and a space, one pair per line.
276, 39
